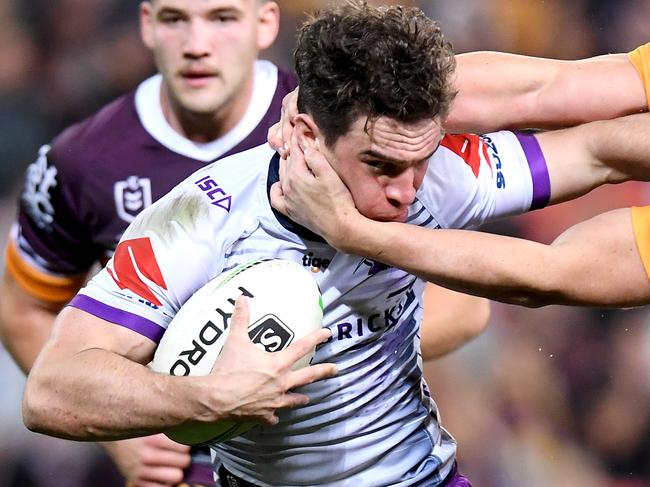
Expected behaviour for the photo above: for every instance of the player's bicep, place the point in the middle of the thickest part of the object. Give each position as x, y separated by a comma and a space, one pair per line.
76, 331
601, 262
529, 92
591, 89
504, 99
166, 254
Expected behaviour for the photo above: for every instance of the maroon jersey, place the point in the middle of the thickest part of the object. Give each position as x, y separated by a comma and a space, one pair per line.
83, 190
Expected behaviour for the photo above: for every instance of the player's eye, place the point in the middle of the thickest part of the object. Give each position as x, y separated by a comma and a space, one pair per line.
385, 168
379, 165
167, 17
225, 16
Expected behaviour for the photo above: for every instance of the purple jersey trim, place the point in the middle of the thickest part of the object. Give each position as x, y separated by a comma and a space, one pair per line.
198, 474
455, 479
538, 170
140, 325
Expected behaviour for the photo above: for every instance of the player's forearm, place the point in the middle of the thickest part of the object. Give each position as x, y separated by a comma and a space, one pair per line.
450, 320
582, 158
23, 335
622, 147
500, 268
98, 395
25, 322
500, 90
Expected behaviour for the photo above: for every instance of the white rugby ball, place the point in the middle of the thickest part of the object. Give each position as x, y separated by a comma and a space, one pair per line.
285, 304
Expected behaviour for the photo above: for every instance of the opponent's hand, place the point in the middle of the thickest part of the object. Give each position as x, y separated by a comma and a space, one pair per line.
312, 194
279, 135
151, 461
250, 384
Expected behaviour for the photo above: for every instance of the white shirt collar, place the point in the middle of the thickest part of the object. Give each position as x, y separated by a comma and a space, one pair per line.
150, 112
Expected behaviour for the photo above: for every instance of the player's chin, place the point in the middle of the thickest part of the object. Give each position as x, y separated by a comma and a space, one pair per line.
202, 103
207, 96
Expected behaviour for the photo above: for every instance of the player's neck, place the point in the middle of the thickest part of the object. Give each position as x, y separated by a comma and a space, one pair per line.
205, 127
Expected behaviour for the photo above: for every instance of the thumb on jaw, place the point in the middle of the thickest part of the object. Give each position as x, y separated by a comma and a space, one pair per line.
277, 198
315, 161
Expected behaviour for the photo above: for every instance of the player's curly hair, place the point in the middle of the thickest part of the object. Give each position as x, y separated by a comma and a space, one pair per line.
359, 60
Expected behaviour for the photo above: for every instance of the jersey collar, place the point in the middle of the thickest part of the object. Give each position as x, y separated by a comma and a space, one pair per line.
286, 222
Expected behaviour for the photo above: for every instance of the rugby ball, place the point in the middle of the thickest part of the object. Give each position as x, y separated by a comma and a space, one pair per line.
285, 304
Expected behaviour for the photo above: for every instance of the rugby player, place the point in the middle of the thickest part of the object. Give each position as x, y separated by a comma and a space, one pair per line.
211, 98
208, 101
377, 113
604, 261
501, 90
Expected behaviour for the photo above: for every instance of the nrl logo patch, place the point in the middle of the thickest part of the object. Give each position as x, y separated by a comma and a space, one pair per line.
131, 197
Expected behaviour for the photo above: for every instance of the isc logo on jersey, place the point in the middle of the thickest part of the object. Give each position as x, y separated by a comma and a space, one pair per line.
214, 192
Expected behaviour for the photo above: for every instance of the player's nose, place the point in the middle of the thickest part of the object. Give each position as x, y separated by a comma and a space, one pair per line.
401, 189
197, 40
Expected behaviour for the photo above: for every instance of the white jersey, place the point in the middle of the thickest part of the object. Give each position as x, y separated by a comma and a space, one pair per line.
374, 424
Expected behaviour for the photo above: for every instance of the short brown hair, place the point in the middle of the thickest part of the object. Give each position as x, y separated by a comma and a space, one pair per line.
356, 59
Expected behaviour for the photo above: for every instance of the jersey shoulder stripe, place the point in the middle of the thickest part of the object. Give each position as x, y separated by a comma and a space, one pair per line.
132, 321
538, 170
476, 178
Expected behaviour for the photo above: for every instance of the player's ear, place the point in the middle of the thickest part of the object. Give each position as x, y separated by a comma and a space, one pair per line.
146, 24
268, 23
306, 130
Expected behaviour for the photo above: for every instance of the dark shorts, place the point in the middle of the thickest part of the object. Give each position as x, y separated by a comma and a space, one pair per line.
198, 475
228, 479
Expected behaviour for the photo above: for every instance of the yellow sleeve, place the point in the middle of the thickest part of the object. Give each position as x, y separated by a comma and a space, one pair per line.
640, 58
641, 225
53, 289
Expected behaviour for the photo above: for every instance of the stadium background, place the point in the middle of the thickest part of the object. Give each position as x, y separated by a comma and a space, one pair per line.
551, 397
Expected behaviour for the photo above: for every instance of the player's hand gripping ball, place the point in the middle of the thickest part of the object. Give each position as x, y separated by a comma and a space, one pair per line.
285, 304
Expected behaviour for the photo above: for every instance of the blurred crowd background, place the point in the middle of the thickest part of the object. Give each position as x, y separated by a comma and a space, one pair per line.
556, 396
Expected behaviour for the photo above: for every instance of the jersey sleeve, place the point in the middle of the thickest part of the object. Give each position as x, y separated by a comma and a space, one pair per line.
641, 225
49, 252
473, 179
640, 58
168, 252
